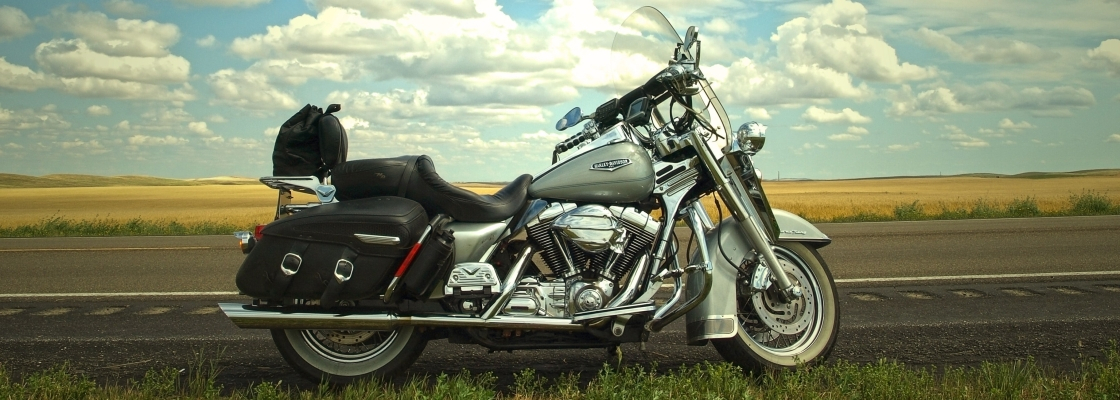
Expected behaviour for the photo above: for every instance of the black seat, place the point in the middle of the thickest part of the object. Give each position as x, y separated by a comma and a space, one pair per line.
415, 178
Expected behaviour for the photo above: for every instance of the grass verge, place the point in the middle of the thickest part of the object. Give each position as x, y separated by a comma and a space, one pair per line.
1025, 379
1083, 204
58, 226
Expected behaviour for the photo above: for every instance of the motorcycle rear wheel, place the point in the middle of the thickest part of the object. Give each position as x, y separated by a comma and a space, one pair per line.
340, 357
812, 324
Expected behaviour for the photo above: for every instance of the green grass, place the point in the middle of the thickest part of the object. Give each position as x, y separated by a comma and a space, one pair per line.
1086, 203
58, 226
1094, 379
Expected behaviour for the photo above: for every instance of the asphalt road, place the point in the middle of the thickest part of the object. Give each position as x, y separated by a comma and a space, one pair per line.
1054, 317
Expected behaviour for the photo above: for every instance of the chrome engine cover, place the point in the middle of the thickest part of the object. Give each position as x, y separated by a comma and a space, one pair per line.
588, 249
592, 228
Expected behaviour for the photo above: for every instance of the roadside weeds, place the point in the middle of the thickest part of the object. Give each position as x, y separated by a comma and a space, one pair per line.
1095, 378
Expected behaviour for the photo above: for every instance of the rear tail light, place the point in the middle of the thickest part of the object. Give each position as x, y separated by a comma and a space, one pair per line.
246, 240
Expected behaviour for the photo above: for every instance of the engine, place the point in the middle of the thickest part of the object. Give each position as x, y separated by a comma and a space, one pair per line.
588, 249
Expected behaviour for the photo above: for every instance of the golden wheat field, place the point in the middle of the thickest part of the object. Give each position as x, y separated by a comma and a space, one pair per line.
817, 200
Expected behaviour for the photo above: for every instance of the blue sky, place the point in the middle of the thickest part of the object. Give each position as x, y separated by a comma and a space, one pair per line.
198, 88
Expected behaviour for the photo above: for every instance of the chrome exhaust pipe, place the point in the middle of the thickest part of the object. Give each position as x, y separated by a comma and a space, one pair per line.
252, 317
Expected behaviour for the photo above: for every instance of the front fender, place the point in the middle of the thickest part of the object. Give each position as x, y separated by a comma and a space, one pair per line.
714, 317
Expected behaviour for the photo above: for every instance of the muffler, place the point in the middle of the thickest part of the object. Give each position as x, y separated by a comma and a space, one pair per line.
254, 317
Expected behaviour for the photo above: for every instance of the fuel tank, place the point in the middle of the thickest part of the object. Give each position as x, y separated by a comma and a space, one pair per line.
615, 173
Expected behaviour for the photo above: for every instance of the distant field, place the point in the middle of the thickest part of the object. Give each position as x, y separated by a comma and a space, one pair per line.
249, 204
825, 200
244, 205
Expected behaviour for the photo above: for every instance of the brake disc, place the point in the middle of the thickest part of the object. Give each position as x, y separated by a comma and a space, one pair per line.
348, 337
786, 318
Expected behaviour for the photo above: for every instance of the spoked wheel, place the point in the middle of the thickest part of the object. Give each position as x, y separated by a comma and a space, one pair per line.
777, 335
340, 357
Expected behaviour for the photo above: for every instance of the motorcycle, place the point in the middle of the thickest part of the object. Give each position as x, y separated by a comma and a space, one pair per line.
392, 256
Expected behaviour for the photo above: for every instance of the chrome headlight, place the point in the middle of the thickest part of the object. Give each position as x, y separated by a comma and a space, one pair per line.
751, 137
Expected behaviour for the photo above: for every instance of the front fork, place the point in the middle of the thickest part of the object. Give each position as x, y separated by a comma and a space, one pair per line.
734, 194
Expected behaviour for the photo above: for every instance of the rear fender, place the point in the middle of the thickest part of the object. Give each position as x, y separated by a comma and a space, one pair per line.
714, 317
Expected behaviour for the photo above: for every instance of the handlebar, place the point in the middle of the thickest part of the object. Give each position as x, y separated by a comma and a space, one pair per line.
607, 114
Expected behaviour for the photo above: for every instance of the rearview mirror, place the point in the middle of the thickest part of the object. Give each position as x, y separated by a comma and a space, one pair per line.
570, 119
690, 36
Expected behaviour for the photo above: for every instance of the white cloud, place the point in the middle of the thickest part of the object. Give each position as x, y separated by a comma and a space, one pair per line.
398, 9
842, 137
1007, 123
1115, 138
119, 37
145, 140
542, 136
1107, 57
750, 83
125, 8
845, 116
92, 146
836, 36
296, 72
961, 140
19, 77
45, 119
903, 147
74, 59
217, 119
98, 110
208, 41
990, 96
96, 87
805, 127
930, 102
857, 130
248, 90
14, 23
853, 133
122, 58
987, 50
222, 3
758, 113
124, 125
416, 44
461, 52
399, 106
199, 128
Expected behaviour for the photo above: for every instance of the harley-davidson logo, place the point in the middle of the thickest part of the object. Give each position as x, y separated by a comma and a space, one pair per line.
611, 165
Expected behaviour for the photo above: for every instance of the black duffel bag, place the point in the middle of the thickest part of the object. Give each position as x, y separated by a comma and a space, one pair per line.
311, 142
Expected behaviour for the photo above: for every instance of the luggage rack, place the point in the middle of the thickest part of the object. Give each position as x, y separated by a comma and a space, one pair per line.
303, 184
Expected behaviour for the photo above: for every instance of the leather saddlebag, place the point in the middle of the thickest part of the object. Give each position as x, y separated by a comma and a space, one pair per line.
338, 251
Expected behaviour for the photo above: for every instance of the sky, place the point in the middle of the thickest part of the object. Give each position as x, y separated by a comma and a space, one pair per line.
199, 88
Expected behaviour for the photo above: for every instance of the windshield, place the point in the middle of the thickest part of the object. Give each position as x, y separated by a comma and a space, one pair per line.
642, 47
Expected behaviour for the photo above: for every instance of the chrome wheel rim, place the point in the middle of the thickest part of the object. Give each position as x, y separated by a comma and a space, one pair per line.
348, 346
799, 322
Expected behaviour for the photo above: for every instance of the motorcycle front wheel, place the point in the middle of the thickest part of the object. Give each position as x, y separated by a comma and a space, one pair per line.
340, 357
776, 335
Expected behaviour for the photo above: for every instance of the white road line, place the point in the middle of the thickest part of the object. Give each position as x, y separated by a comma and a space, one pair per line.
967, 277
113, 249
137, 294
